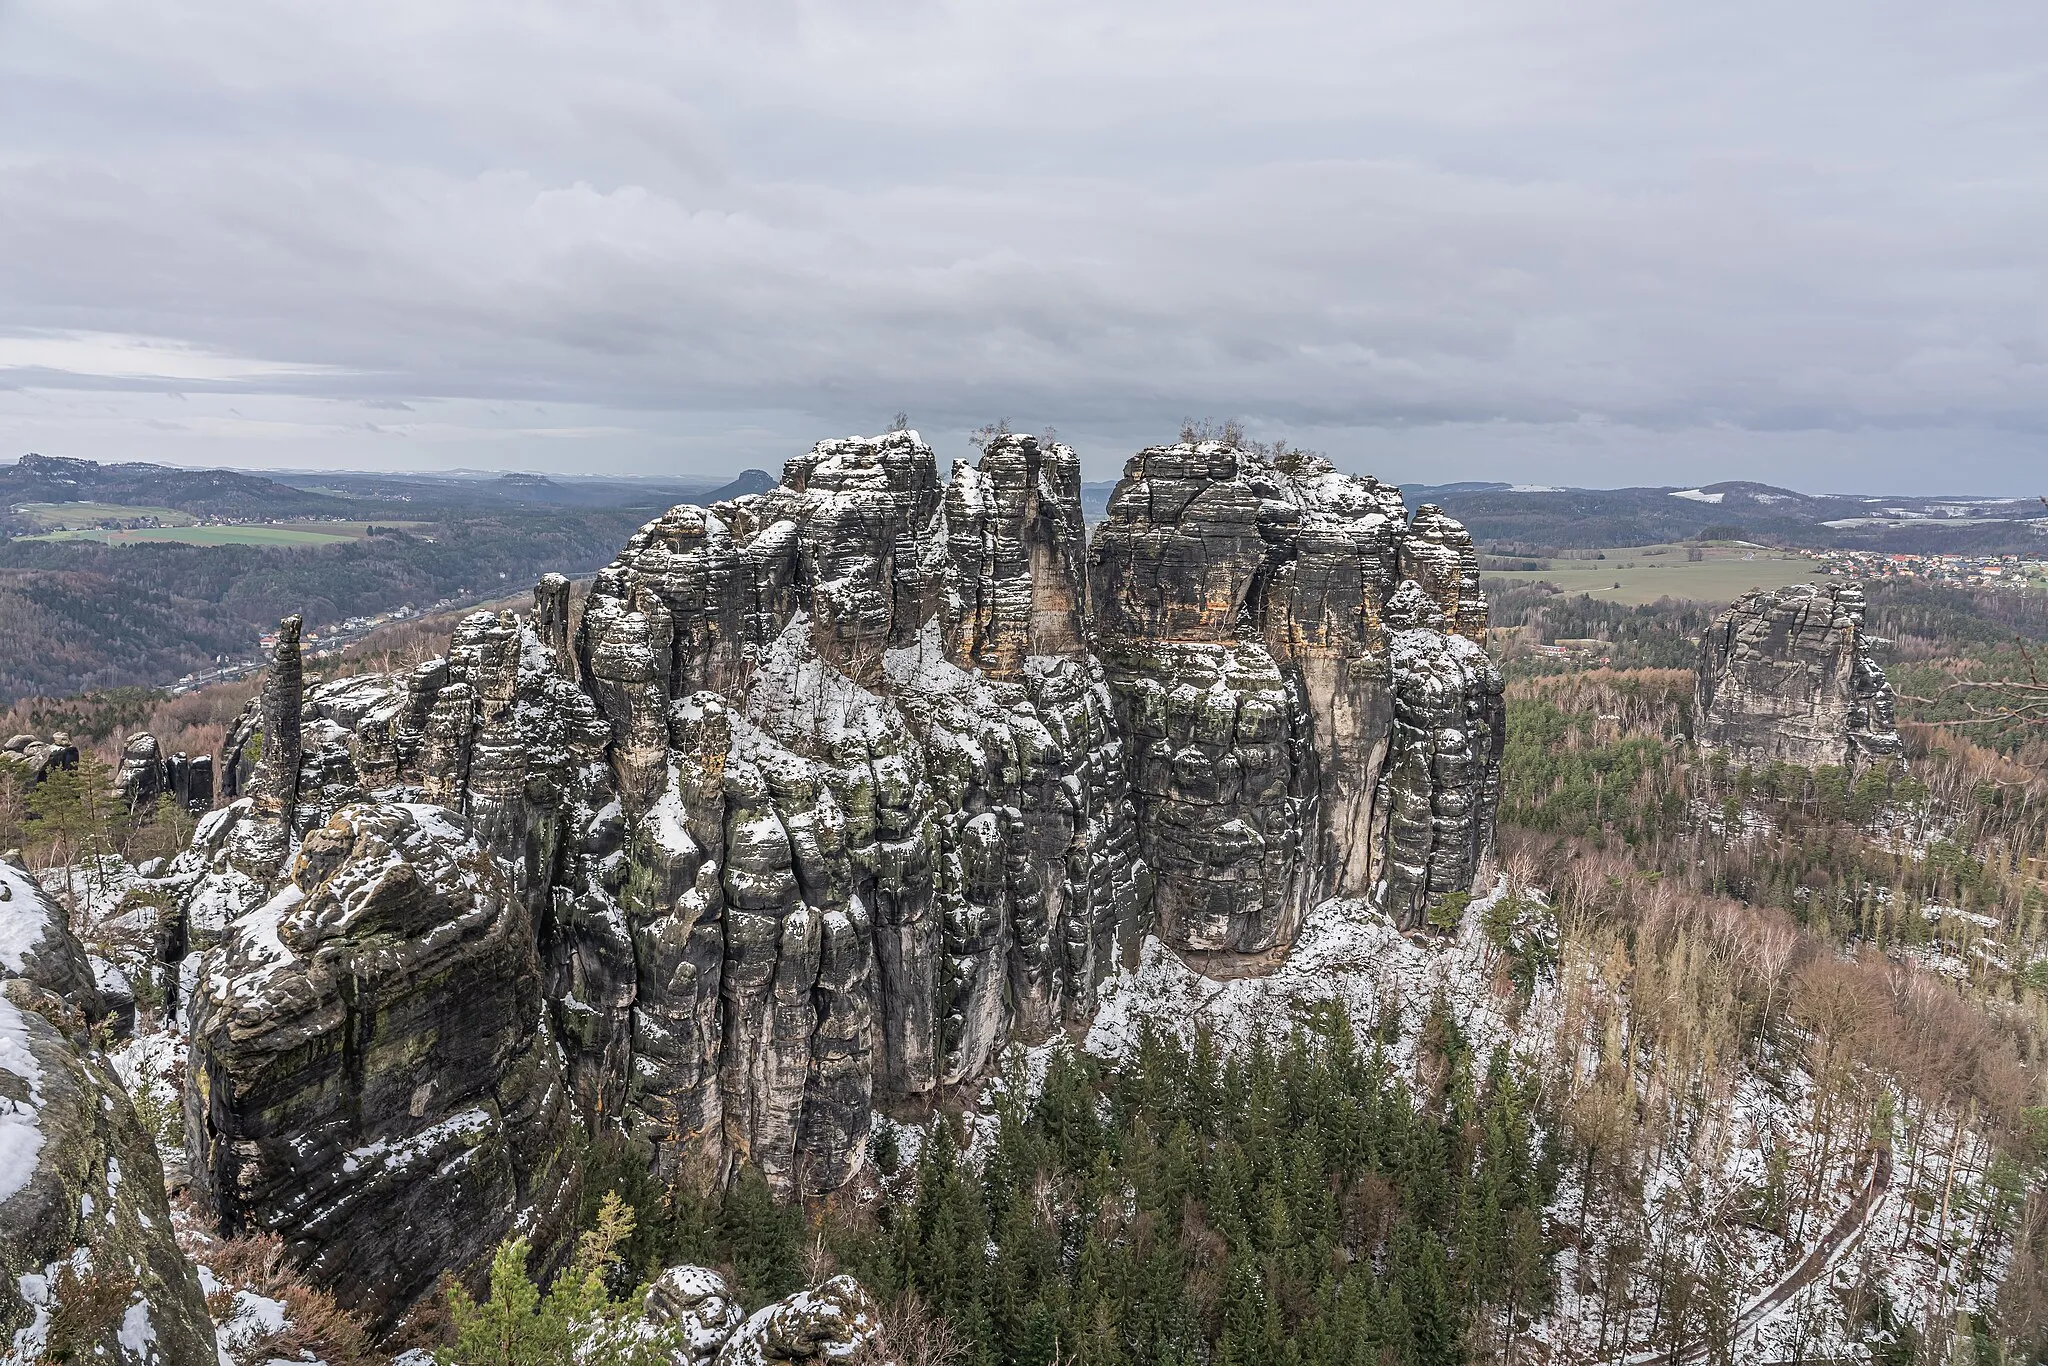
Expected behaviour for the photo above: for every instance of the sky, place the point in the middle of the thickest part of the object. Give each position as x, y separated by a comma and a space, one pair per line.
1591, 243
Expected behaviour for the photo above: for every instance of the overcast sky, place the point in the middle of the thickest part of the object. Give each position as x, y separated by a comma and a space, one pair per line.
1594, 243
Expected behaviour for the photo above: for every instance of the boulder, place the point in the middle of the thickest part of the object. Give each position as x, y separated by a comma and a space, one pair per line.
694, 1305
37, 758
837, 1322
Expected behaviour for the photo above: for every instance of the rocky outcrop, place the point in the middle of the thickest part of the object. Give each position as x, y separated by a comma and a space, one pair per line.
147, 773
1241, 609
694, 1308
836, 1323
819, 798
37, 758
1788, 675
88, 1265
372, 1078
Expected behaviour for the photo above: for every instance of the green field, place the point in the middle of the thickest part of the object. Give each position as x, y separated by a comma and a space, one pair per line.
1647, 573
207, 535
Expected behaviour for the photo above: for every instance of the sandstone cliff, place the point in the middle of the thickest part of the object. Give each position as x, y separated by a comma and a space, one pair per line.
1787, 675
819, 798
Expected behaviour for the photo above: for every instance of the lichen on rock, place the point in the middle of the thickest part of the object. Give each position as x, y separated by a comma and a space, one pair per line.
88, 1264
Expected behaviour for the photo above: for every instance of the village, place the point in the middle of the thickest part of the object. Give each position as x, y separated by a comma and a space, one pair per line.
1959, 571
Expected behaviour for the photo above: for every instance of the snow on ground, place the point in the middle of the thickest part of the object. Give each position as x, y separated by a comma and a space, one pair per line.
1347, 953
21, 1134
152, 1067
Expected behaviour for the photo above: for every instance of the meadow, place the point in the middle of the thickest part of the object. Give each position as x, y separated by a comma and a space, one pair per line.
1638, 575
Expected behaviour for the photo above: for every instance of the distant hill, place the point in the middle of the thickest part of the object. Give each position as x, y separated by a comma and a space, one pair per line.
1529, 519
1520, 518
221, 493
76, 615
749, 481
473, 490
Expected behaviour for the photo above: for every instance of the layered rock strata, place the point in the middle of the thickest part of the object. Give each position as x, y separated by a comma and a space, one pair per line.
91, 1270
823, 795
1788, 675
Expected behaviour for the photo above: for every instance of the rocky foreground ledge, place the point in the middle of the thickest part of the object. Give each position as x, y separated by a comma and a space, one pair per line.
818, 799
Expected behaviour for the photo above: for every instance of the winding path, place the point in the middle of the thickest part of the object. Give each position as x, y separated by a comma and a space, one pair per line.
1820, 1257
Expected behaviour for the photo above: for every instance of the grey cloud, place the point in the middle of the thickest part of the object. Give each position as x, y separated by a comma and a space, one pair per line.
1745, 235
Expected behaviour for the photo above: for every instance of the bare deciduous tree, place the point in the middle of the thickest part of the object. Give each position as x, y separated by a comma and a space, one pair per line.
913, 1335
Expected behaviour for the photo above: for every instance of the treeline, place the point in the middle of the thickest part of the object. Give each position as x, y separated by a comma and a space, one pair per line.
1917, 622
1662, 635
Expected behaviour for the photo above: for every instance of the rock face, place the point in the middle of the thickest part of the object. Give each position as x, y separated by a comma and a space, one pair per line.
371, 1075
91, 1270
818, 798
1787, 675
1281, 750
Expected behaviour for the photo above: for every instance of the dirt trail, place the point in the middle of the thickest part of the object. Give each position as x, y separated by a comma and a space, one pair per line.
1820, 1256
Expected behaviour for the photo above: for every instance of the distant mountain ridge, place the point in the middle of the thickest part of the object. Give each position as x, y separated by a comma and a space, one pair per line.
1526, 518
1515, 516
223, 493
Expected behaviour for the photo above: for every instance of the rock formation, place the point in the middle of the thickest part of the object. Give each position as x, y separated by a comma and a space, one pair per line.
694, 1304
88, 1266
39, 757
372, 1078
1787, 675
818, 798
1242, 616
146, 774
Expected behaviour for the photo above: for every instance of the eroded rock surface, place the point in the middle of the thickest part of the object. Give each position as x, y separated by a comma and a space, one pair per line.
88, 1265
147, 773
1241, 612
1788, 675
837, 1323
372, 1077
695, 1304
35, 758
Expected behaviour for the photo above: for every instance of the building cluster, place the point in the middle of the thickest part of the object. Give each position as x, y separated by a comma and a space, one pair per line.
1960, 571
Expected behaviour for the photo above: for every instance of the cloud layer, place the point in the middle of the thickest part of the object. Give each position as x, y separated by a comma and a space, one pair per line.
1583, 242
